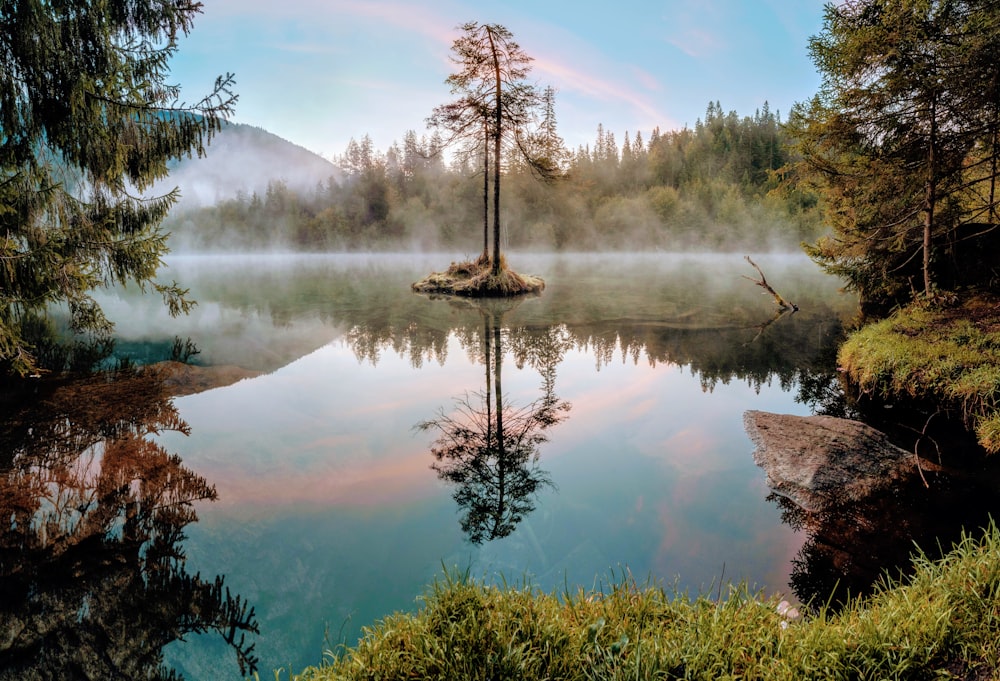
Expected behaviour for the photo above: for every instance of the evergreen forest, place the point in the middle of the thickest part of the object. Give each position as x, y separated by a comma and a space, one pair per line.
725, 185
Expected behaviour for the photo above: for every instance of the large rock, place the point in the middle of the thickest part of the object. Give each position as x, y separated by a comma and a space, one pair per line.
822, 461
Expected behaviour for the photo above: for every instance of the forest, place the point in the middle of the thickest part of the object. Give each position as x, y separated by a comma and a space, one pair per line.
724, 185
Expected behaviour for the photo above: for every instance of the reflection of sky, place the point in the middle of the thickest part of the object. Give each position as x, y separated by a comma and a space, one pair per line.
329, 508
321, 430
650, 470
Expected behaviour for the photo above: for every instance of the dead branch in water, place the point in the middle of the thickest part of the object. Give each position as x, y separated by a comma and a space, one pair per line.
782, 303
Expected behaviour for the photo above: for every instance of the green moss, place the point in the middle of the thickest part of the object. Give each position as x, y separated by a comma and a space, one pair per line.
948, 354
945, 620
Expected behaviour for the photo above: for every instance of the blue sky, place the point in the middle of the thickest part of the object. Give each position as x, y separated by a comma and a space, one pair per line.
319, 72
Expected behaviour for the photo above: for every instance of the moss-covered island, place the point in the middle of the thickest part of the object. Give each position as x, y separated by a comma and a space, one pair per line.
476, 279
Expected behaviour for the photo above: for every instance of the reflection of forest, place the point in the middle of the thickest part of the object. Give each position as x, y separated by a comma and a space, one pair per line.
488, 448
691, 312
720, 334
850, 547
92, 572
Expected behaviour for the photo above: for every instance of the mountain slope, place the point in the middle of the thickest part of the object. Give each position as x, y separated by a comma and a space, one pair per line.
244, 158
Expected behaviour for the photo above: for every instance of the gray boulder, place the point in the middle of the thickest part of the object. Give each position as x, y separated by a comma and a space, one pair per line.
821, 461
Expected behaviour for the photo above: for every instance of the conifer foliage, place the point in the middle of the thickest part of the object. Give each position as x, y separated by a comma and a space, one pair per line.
88, 122
496, 104
902, 141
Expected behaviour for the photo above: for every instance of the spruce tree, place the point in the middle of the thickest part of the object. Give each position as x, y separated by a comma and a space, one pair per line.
88, 122
496, 103
901, 140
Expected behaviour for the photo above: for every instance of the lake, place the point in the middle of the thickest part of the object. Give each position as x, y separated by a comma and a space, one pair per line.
590, 434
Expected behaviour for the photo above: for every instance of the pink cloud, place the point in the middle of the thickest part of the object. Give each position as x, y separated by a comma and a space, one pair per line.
566, 77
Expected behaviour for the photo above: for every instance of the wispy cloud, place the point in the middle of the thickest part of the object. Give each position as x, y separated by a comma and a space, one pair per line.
304, 48
412, 17
698, 32
567, 78
428, 22
696, 42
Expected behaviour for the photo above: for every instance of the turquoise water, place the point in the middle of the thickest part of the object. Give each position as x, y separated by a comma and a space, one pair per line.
330, 514
588, 435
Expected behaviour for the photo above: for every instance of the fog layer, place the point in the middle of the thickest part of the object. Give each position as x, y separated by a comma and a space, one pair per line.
724, 185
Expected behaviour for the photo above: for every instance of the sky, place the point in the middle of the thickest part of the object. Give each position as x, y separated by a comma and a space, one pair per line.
321, 72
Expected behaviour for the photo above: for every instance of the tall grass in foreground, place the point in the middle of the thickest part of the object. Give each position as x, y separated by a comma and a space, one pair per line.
943, 622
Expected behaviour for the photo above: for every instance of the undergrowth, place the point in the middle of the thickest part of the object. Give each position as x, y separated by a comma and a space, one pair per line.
946, 354
943, 622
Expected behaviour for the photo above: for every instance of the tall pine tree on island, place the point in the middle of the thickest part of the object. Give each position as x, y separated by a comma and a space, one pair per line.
88, 122
497, 105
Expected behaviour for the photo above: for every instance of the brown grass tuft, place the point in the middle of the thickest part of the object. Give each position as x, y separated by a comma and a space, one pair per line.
474, 279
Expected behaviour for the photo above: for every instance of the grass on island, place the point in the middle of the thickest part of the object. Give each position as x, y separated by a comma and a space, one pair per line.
948, 353
474, 279
943, 622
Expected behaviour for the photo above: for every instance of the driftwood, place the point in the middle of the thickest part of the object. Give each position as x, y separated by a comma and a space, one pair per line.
820, 461
762, 282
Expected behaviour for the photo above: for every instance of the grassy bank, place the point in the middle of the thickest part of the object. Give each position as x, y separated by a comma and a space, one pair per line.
948, 354
944, 622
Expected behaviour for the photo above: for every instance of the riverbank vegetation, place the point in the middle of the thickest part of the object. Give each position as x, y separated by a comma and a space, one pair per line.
943, 622
945, 354
902, 144
90, 119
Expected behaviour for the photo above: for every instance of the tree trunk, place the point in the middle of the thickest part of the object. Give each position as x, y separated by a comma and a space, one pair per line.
501, 445
486, 189
489, 388
496, 159
929, 201
993, 173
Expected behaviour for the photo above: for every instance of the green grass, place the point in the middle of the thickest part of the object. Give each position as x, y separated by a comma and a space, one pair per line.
950, 355
943, 622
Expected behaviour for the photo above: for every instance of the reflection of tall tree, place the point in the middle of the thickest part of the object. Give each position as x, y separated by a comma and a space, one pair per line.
92, 576
490, 452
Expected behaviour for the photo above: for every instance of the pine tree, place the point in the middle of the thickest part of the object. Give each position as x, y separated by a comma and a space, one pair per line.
495, 102
88, 122
901, 139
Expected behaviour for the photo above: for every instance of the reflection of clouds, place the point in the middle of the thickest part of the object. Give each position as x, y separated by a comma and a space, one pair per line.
319, 430
670, 532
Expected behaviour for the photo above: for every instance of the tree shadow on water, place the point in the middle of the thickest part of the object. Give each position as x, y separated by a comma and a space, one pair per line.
93, 582
488, 448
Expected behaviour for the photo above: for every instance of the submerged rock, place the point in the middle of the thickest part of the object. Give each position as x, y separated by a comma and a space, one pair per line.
821, 461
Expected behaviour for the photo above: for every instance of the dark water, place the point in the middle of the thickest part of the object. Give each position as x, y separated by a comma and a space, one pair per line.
567, 440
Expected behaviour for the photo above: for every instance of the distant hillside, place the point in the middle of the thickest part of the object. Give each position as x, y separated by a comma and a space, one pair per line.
246, 158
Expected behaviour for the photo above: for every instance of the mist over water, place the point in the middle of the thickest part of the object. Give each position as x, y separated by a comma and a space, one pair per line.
330, 513
720, 187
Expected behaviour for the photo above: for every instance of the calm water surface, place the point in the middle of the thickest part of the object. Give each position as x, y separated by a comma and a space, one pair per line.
331, 511
619, 393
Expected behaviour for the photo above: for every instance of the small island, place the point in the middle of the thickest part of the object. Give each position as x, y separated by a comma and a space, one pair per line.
489, 117
475, 279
